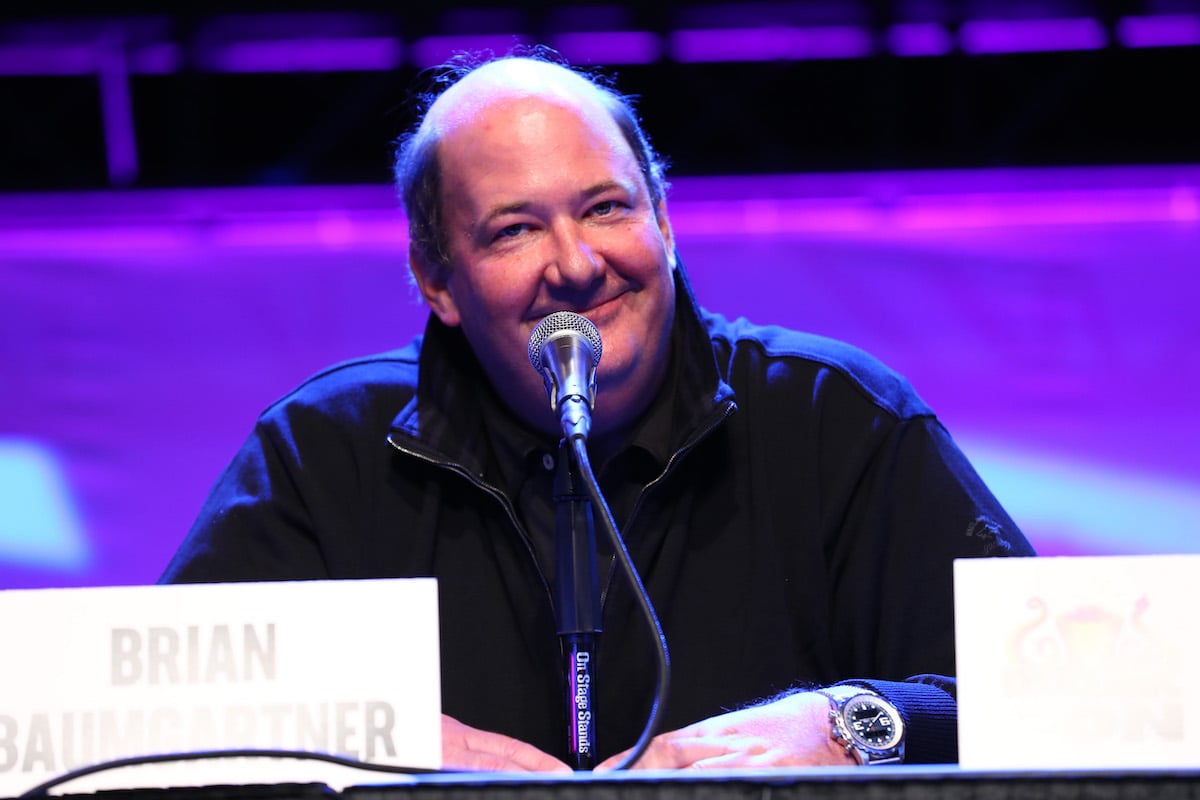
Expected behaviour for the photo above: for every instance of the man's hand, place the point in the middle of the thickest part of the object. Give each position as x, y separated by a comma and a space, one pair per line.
470, 749
794, 731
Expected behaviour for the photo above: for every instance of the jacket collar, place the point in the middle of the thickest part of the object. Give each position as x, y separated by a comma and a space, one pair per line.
442, 421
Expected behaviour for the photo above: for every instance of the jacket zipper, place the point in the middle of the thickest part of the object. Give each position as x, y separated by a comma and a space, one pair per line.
496, 494
708, 427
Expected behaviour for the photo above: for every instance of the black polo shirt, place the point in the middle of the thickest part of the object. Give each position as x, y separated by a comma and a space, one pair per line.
522, 463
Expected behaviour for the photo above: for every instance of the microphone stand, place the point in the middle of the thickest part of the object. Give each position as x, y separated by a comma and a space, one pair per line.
577, 595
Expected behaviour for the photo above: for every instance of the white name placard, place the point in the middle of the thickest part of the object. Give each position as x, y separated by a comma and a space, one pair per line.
348, 668
1081, 662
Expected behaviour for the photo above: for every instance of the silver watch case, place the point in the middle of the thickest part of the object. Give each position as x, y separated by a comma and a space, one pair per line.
868, 726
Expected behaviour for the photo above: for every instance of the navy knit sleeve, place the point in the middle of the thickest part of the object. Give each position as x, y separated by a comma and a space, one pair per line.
926, 702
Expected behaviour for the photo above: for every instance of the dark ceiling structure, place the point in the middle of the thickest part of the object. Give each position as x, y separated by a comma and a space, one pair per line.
223, 94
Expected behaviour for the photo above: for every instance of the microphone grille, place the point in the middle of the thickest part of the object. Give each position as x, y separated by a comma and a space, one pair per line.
563, 321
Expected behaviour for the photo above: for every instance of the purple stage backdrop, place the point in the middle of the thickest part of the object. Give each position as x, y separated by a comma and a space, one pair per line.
1048, 315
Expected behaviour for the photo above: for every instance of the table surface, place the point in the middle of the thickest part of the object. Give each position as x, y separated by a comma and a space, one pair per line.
907, 782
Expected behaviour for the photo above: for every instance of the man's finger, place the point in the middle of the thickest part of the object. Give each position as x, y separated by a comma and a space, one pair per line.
674, 751
467, 748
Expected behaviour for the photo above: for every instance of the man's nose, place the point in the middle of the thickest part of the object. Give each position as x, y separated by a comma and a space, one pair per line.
576, 262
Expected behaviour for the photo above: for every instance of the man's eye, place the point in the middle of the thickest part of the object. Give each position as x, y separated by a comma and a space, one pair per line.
605, 208
509, 231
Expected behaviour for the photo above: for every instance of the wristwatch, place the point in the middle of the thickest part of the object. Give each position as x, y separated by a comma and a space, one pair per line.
869, 727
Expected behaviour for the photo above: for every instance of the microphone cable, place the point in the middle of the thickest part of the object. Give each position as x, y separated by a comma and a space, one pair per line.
43, 789
662, 659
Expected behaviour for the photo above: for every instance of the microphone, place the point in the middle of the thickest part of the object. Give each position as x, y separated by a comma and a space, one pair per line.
565, 349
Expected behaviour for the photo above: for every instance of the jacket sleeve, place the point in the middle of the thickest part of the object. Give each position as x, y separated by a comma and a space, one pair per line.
254, 525
927, 704
919, 506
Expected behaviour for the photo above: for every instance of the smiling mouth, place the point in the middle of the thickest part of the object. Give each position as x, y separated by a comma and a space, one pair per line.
596, 313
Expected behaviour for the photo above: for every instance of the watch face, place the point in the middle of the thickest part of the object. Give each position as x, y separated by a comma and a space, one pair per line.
871, 723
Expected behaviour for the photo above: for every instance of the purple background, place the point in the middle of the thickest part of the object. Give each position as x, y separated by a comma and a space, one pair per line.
1047, 315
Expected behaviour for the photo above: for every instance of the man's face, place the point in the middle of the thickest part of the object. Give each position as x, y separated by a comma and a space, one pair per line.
545, 210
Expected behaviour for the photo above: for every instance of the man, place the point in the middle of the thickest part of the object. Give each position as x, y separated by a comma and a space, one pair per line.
792, 506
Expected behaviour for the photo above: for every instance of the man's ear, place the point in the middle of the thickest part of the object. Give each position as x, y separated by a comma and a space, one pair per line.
664, 227
434, 282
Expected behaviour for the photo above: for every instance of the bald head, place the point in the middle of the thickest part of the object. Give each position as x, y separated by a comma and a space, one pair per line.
493, 83
505, 81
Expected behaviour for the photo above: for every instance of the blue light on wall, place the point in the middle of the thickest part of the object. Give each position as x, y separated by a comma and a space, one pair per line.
39, 524
1082, 508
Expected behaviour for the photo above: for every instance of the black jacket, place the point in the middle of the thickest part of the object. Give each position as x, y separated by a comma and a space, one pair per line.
802, 533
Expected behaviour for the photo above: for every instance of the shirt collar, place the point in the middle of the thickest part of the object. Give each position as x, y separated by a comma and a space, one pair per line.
446, 417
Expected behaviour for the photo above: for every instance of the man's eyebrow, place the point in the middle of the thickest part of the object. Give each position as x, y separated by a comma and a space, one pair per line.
505, 208
604, 186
